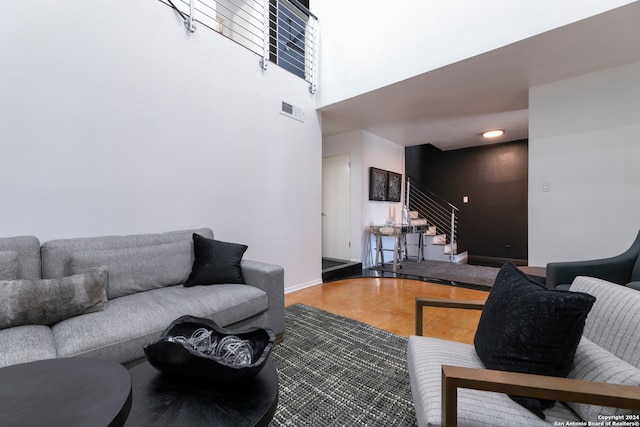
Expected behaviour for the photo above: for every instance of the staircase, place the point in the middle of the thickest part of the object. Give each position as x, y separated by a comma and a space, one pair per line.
440, 217
435, 247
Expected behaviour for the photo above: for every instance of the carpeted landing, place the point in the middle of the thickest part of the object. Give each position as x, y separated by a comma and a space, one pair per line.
336, 371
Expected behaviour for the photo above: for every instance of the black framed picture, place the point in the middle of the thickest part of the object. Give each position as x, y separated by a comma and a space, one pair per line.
377, 184
394, 187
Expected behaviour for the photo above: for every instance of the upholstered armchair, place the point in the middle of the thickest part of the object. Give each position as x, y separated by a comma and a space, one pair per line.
452, 385
623, 269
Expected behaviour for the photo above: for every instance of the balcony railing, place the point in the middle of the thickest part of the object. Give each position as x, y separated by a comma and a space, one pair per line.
283, 32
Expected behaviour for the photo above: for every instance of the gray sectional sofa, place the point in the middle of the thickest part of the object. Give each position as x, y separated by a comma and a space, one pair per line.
58, 299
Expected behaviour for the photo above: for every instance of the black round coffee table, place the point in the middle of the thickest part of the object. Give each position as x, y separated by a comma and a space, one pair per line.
165, 400
69, 392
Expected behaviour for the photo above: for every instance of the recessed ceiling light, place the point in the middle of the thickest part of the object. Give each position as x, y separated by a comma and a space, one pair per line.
494, 133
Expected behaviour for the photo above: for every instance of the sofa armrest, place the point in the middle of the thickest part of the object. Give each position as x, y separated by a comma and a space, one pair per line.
269, 278
444, 303
537, 386
615, 269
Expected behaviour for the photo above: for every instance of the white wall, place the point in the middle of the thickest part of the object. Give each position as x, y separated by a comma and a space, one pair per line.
114, 120
368, 45
366, 150
584, 140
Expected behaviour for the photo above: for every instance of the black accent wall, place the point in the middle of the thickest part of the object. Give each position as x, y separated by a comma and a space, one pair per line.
493, 225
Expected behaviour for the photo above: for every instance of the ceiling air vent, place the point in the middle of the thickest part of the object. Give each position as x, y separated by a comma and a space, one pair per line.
292, 111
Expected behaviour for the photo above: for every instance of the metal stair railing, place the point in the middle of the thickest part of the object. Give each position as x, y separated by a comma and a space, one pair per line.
437, 211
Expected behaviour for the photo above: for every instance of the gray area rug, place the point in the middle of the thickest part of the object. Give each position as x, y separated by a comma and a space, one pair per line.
446, 271
336, 371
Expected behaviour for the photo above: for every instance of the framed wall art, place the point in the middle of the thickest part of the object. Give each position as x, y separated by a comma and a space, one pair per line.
394, 187
377, 184
384, 186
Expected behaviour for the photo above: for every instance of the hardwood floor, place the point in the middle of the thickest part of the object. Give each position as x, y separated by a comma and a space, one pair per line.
389, 304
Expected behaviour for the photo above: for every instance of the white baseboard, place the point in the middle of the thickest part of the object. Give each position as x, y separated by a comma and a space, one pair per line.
300, 286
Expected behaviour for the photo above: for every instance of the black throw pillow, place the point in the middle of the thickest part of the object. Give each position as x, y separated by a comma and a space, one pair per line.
524, 327
215, 262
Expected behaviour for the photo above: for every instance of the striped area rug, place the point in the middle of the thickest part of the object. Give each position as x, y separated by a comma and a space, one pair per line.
335, 371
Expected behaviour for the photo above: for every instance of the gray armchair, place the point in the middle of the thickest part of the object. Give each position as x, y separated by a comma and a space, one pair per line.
623, 269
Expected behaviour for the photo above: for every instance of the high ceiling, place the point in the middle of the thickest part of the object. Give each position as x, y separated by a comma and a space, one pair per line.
450, 106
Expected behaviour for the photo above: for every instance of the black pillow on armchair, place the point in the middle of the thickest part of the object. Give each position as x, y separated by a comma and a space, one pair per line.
524, 327
215, 262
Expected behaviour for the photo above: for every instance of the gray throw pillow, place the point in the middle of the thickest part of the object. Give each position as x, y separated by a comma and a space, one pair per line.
138, 269
8, 265
48, 301
594, 363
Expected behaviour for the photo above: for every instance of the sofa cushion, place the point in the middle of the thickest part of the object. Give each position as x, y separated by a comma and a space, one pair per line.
129, 323
56, 254
425, 357
8, 265
138, 269
47, 301
215, 262
27, 343
614, 320
28, 250
525, 327
593, 363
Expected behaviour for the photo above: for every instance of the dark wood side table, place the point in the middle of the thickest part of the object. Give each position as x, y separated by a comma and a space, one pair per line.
166, 400
539, 274
70, 392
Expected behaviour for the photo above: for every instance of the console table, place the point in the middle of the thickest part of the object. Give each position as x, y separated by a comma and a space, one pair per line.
398, 232
70, 392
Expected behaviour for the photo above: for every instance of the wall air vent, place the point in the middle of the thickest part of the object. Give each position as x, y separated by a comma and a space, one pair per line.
292, 111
